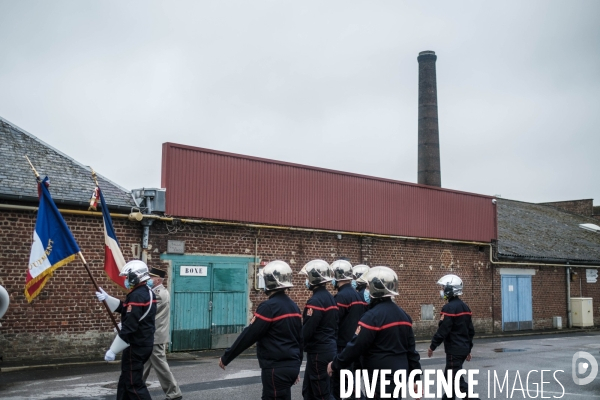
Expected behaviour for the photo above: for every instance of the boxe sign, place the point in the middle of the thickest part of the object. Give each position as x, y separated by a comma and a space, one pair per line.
193, 270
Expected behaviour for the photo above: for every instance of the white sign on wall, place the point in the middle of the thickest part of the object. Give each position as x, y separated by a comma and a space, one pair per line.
193, 270
591, 275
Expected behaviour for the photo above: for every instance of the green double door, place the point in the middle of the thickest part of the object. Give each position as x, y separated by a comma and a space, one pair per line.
209, 300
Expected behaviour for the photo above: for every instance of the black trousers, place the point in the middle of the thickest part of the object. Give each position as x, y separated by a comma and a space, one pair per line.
335, 380
316, 385
131, 382
455, 364
277, 382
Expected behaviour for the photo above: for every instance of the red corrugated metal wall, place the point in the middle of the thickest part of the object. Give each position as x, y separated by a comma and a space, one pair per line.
204, 183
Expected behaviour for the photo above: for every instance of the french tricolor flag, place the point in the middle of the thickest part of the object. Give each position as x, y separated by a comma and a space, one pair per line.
113, 258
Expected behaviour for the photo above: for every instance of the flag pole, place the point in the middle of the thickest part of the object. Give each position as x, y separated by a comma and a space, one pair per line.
110, 314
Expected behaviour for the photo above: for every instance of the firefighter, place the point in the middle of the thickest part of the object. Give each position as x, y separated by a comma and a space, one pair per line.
277, 329
384, 336
319, 329
158, 359
455, 329
360, 287
351, 309
136, 336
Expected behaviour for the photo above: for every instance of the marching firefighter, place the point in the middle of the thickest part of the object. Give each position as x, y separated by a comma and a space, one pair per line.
357, 272
136, 336
158, 359
384, 336
455, 329
277, 329
351, 309
319, 329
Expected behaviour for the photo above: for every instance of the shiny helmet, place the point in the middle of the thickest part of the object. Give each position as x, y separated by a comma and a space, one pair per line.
341, 270
277, 275
317, 272
136, 271
452, 286
359, 269
381, 282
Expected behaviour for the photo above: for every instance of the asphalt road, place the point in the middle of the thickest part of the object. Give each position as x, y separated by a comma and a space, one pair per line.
200, 377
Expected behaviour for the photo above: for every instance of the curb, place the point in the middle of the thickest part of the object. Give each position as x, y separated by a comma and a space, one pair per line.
193, 357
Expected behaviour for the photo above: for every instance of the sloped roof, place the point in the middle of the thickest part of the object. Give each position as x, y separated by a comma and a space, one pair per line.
537, 231
70, 181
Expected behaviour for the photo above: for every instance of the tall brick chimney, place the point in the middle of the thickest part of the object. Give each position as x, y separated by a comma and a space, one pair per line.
429, 133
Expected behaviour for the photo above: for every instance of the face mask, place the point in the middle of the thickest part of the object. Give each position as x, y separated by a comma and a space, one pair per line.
307, 284
127, 283
333, 282
150, 283
353, 283
367, 296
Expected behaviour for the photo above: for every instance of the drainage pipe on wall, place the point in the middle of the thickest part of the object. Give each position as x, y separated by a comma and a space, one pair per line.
569, 321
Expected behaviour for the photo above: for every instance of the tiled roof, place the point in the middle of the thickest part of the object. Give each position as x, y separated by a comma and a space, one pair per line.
69, 180
543, 232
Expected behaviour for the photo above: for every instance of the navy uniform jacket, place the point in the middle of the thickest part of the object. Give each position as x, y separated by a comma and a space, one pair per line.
455, 328
351, 309
133, 331
277, 330
384, 338
320, 322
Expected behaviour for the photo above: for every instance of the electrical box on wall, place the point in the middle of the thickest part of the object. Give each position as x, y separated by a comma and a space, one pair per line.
153, 199
582, 311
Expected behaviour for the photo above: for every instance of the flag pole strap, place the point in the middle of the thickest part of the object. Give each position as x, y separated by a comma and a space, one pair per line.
110, 314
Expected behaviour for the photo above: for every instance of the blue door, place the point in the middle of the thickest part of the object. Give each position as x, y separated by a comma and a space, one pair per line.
517, 309
209, 300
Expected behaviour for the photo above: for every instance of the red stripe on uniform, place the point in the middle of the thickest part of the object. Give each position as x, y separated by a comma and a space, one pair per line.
374, 328
321, 308
138, 304
277, 318
352, 304
456, 315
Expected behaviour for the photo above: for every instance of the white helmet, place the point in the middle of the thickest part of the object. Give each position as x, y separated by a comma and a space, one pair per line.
381, 282
341, 270
136, 271
453, 286
317, 271
359, 269
277, 275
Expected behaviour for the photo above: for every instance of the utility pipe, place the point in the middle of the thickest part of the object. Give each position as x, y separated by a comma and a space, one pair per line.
256, 226
569, 320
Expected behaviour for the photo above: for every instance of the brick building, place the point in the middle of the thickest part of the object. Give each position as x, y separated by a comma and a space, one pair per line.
226, 214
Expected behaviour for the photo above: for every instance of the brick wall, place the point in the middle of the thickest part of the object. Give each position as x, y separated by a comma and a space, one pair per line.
419, 264
580, 288
65, 320
581, 207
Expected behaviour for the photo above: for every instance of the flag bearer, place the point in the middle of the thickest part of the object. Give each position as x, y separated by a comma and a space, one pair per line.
136, 336
277, 329
384, 336
158, 359
455, 329
351, 309
320, 328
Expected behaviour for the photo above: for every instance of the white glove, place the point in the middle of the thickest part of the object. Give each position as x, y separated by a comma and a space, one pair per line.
112, 302
109, 356
101, 295
120, 327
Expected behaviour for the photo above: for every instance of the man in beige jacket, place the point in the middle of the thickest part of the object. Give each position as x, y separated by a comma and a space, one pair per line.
158, 359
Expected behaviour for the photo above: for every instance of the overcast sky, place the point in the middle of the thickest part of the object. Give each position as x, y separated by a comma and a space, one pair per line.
332, 84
